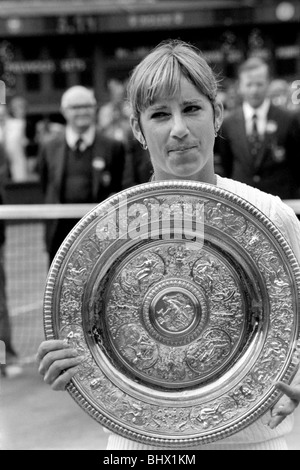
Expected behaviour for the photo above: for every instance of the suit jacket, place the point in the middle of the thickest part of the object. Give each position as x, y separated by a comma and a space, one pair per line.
277, 168
52, 164
138, 167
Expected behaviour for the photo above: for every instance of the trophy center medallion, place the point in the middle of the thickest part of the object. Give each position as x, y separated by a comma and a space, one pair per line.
174, 312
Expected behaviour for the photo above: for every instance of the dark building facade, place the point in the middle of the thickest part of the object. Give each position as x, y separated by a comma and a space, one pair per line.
47, 46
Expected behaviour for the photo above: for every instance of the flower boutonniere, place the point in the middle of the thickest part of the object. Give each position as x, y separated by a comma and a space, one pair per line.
271, 127
99, 163
278, 154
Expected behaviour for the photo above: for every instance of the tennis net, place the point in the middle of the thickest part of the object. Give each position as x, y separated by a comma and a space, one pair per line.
26, 267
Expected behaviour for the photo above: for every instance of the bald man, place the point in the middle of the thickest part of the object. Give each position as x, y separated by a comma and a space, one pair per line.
79, 166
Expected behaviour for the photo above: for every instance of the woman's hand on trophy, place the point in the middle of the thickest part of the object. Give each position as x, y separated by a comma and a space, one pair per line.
287, 403
58, 362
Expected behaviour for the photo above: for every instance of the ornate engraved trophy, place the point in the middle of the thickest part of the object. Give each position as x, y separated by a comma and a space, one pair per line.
184, 300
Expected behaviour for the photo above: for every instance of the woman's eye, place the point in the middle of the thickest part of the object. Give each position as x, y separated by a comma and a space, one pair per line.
192, 109
159, 114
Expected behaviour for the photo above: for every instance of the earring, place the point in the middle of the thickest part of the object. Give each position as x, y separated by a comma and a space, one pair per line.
216, 130
144, 145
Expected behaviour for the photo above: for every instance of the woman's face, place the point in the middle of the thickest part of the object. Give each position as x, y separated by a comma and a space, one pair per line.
180, 134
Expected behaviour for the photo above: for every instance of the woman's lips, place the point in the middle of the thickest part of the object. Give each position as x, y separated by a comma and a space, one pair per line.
182, 149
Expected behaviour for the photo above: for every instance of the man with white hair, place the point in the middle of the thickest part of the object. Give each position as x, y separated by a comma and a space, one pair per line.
79, 166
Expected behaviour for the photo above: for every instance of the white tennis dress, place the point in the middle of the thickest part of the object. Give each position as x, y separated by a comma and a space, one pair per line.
257, 436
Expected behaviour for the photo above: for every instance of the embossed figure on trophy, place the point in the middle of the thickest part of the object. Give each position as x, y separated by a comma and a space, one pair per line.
127, 283
136, 346
209, 353
214, 212
214, 348
87, 254
77, 275
275, 349
273, 268
133, 412
246, 394
143, 349
178, 313
203, 272
222, 294
172, 366
74, 339
272, 358
179, 254
118, 313
140, 273
145, 270
226, 219
209, 417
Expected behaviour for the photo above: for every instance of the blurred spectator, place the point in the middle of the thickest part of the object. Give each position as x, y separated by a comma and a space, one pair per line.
230, 99
12, 137
113, 117
279, 92
11, 367
114, 121
229, 96
138, 168
80, 164
46, 130
259, 141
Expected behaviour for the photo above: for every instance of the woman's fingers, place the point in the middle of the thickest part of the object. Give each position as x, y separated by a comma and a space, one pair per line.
60, 366
50, 345
280, 411
292, 391
55, 356
286, 405
58, 362
60, 383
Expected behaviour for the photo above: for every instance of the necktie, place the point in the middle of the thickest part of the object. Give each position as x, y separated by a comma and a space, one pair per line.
78, 146
254, 138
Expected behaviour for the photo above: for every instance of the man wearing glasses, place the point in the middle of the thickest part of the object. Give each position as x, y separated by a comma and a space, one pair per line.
79, 166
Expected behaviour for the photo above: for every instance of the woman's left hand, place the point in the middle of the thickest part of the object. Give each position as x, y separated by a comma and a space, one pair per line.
287, 403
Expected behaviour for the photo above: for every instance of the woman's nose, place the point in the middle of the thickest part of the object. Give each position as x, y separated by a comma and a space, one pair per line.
179, 127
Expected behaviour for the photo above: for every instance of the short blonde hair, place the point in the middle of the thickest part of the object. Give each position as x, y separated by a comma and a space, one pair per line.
159, 72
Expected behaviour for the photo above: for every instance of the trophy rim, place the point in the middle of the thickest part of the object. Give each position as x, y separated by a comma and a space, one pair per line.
52, 319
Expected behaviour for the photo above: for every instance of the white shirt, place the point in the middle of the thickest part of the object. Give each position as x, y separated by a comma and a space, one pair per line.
261, 113
256, 436
87, 137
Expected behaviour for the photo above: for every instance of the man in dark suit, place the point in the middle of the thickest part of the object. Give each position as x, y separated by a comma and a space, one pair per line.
258, 142
80, 165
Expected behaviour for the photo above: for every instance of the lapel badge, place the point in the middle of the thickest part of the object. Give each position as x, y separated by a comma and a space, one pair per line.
278, 153
106, 178
271, 127
98, 163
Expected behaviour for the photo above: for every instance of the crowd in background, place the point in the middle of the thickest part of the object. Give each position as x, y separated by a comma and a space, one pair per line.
49, 152
22, 138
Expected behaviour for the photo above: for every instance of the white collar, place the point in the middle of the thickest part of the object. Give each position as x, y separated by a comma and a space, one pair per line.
261, 111
87, 137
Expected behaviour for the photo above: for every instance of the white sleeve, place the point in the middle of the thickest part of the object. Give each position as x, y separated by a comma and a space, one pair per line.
289, 225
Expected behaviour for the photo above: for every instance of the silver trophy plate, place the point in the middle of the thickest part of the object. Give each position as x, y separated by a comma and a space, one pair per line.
184, 300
